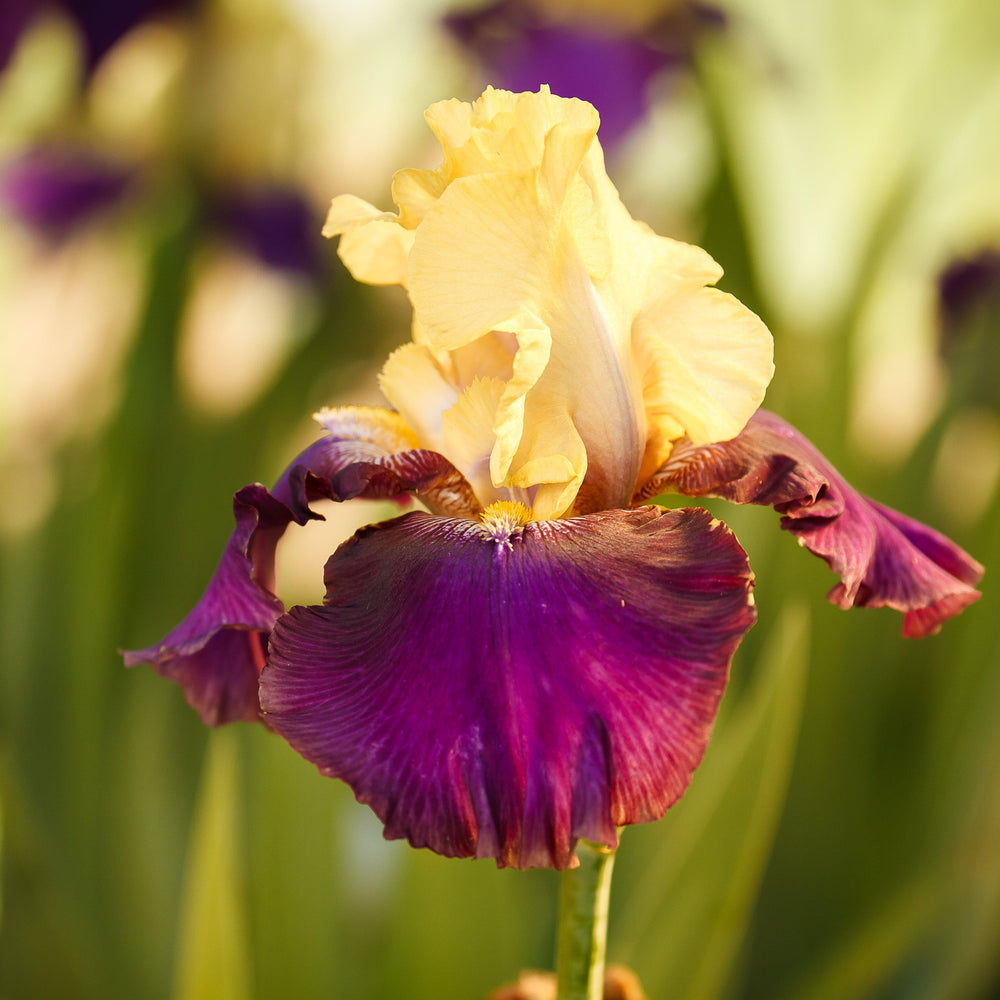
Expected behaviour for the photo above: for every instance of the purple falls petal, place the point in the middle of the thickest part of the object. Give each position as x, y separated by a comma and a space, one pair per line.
503, 697
216, 652
882, 557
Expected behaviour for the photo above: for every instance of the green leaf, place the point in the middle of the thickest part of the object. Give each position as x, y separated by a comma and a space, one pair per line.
213, 953
876, 947
1, 861
684, 924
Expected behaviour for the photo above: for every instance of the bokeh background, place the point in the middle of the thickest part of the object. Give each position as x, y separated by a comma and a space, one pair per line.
169, 318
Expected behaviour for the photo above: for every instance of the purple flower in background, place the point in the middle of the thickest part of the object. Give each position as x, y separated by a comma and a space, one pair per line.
54, 189
15, 17
969, 312
272, 222
539, 656
101, 22
609, 65
965, 286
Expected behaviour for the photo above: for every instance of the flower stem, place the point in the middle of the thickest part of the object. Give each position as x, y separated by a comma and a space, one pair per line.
583, 924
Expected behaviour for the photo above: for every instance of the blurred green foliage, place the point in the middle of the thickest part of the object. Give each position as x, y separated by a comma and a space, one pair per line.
842, 839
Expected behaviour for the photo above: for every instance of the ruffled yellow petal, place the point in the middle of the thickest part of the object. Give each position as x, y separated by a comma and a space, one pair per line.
491, 356
708, 360
492, 256
347, 211
534, 341
469, 437
475, 258
414, 384
468, 424
451, 123
373, 245
550, 476
415, 192
566, 341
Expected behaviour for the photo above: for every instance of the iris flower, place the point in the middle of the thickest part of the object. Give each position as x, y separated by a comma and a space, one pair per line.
538, 655
100, 24
53, 189
521, 42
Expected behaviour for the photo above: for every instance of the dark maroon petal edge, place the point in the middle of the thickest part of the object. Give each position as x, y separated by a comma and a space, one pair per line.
884, 559
502, 695
217, 652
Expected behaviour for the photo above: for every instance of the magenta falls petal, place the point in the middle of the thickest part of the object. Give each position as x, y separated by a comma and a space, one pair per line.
217, 651
884, 559
498, 691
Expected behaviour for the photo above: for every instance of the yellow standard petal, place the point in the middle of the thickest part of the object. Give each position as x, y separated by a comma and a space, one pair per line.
415, 384
560, 346
467, 429
372, 243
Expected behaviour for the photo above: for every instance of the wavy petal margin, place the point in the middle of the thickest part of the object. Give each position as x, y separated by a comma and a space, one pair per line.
884, 559
217, 652
502, 695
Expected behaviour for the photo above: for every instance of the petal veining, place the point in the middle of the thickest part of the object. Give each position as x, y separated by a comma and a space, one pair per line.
502, 689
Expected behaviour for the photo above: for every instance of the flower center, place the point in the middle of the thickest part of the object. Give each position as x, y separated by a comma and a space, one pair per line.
503, 520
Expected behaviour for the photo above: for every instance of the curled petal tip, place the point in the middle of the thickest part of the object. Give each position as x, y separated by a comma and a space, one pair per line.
884, 559
217, 652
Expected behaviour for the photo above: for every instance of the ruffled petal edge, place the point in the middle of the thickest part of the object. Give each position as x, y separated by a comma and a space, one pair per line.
217, 652
502, 693
884, 559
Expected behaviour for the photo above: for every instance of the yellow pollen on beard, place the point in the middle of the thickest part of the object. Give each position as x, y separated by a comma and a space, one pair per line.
503, 519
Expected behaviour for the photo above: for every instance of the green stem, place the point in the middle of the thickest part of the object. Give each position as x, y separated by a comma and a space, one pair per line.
583, 924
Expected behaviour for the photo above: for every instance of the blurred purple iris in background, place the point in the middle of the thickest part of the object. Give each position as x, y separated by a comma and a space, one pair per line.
610, 66
272, 222
53, 189
969, 314
966, 287
101, 23
15, 17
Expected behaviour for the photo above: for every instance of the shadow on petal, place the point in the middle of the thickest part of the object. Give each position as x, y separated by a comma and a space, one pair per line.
503, 697
884, 559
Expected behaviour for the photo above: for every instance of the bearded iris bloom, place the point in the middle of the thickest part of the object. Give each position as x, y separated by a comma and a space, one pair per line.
539, 655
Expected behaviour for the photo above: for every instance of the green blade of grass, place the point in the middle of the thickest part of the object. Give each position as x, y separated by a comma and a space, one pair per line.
213, 952
685, 923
